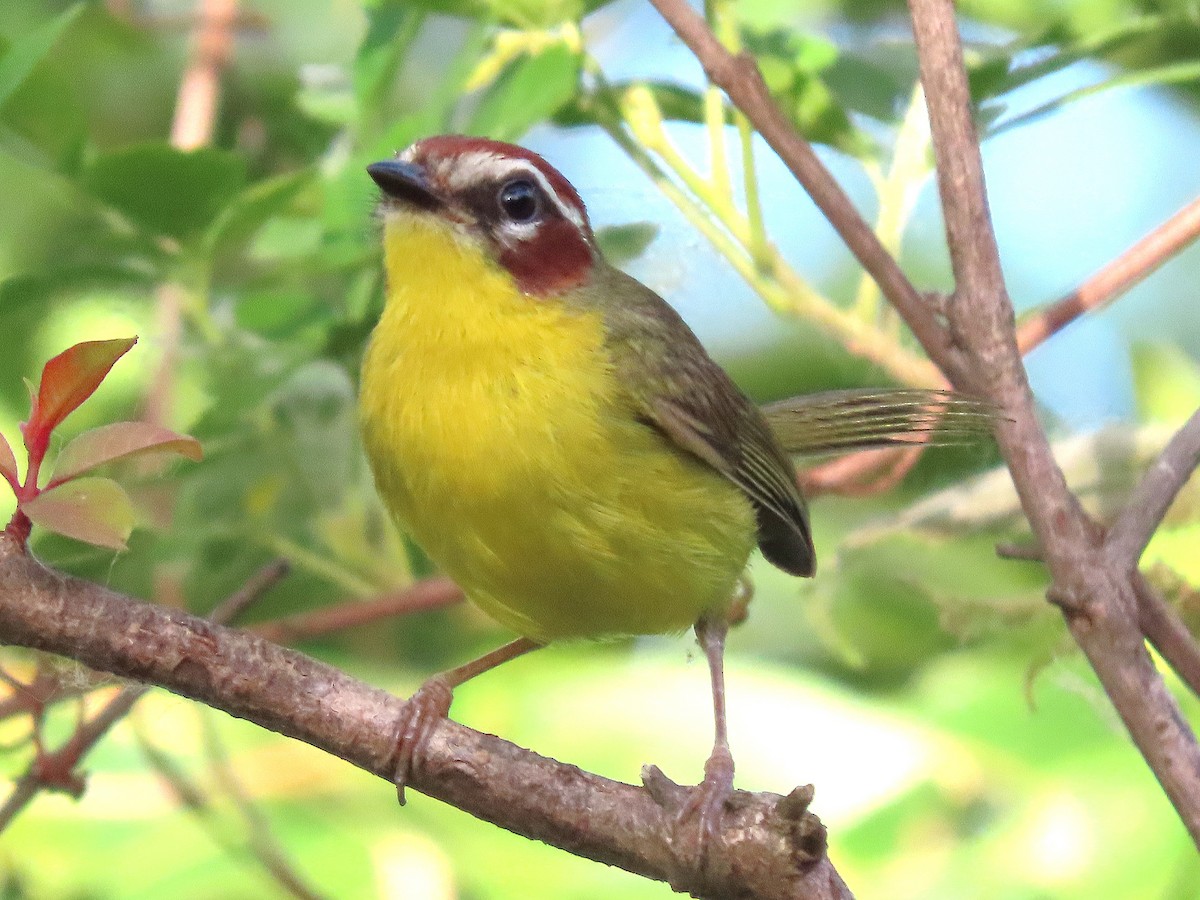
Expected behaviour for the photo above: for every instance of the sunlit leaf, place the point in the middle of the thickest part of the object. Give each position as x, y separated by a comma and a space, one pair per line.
528, 14
1172, 73
71, 377
531, 90
1176, 547
23, 55
998, 69
8, 462
165, 190
327, 96
794, 67
247, 212
92, 510
119, 440
391, 29
868, 84
675, 102
71, 279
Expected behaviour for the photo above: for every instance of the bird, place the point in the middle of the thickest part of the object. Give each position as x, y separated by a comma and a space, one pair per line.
557, 440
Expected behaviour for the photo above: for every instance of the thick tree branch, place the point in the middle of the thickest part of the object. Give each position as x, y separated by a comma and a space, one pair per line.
1097, 597
770, 848
740, 78
57, 769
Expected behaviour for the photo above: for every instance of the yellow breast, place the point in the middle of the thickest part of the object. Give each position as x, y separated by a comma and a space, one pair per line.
501, 439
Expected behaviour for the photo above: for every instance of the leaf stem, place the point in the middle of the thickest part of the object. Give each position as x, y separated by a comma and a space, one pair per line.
898, 192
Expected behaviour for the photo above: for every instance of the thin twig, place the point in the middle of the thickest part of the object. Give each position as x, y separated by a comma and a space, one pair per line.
1150, 500
192, 127
26, 788
250, 592
1159, 622
741, 80
862, 473
1166, 631
200, 88
56, 769
1022, 552
1115, 278
192, 798
432, 593
263, 844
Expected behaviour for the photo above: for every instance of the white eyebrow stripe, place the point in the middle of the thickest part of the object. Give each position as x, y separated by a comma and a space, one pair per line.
498, 168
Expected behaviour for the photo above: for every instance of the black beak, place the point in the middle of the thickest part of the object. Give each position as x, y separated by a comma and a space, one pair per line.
406, 182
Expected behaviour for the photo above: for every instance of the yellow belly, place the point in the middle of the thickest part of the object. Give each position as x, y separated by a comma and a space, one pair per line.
502, 441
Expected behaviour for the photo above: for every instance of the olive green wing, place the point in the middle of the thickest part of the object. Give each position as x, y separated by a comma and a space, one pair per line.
678, 390
738, 444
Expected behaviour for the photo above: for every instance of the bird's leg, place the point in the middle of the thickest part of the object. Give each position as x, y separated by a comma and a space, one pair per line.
431, 703
708, 798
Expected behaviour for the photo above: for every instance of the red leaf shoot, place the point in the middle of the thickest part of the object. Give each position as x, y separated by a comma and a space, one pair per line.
8, 464
67, 380
93, 510
117, 441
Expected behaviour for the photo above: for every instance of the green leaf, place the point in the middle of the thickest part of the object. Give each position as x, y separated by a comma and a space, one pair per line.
314, 415
819, 114
794, 68
531, 90
994, 70
45, 284
238, 222
93, 510
281, 312
621, 244
527, 14
8, 462
868, 86
117, 441
26, 53
164, 190
71, 377
327, 97
1172, 73
675, 102
391, 29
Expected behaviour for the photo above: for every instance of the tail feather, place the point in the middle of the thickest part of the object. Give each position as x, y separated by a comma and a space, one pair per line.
834, 421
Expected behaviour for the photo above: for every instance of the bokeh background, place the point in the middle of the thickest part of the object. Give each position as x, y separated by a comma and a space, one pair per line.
959, 745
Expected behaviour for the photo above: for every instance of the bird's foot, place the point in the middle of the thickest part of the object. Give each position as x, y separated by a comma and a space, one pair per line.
420, 716
706, 804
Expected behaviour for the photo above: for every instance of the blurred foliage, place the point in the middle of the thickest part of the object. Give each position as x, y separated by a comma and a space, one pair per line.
972, 754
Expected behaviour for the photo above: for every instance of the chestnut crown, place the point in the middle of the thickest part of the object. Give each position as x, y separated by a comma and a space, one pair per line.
521, 209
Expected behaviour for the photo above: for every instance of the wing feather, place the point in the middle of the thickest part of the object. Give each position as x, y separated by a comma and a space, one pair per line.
676, 388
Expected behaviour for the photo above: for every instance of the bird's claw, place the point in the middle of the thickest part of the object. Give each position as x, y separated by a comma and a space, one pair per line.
420, 716
706, 803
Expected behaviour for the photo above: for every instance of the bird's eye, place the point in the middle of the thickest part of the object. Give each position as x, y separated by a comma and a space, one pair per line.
519, 200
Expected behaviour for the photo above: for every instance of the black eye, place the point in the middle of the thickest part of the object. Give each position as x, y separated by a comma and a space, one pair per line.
519, 200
